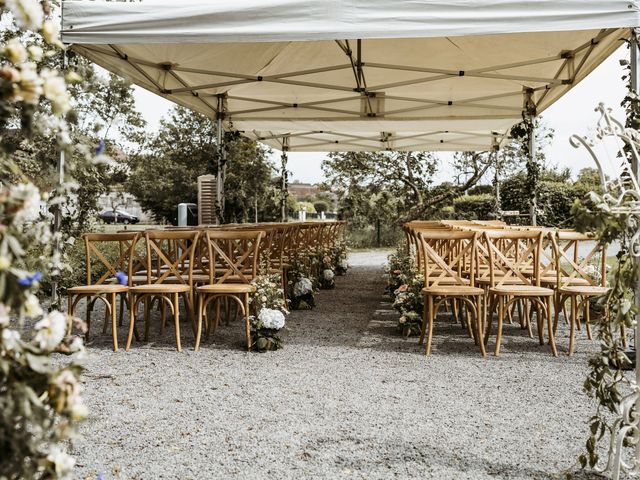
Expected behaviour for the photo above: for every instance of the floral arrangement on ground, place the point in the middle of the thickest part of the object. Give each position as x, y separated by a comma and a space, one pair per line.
269, 310
300, 285
404, 286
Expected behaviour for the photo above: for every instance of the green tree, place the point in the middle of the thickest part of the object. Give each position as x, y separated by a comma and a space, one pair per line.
165, 170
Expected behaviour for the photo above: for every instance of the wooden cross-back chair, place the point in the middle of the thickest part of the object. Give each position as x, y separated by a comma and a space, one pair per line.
103, 286
170, 256
578, 279
510, 253
235, 255
448, 256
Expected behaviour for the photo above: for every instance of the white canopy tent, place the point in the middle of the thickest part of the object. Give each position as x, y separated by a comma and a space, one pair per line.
327, 75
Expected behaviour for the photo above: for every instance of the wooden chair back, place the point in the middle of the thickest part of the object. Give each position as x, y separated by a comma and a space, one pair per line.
106, 266
513, 256
570, 264
448, 256
233, 255
171, 253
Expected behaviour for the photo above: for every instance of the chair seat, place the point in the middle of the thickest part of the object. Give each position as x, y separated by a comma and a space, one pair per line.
227, 288
161, 288
585, 290
521, 291
96, 289
453, 290
138, 279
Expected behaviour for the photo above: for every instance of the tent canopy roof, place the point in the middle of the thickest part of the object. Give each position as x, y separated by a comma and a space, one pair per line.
327, 75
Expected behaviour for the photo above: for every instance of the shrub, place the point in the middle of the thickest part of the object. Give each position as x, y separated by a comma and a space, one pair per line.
475, 207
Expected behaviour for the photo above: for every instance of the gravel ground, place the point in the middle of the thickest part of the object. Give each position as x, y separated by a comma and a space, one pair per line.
347, 397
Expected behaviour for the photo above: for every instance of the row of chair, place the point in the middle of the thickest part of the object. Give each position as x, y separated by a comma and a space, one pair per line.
208, 266
489, 267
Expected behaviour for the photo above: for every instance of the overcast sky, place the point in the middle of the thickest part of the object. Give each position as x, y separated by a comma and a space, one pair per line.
573, 113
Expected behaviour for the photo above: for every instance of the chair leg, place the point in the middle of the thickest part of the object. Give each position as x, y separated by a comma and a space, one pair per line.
87, 318
121, 312
132, 320
70, 313
540, 322
107, 315
489, 318
424, 322
247, 322
114, 322
430, 320
479, 321
199, 320
176, 317
552, 340
587, 317
527, 319
500, 321
572, 323
147, 304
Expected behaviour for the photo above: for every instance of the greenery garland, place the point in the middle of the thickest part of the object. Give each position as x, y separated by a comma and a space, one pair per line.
606, 380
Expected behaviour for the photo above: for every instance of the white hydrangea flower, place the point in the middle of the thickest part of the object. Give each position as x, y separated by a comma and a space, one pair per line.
51, 330
15, 51
343, 264
27, 14
270, 318
62, 462
32, 306
10, 339
328, 274
302, 287
4, 315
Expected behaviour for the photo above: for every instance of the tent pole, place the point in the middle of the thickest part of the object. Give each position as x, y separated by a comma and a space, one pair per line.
221, 160
530, 115
284, 190
57, 215
496, 176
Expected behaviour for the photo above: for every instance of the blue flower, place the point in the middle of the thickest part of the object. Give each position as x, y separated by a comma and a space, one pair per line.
122, 278
100, 147
29, 279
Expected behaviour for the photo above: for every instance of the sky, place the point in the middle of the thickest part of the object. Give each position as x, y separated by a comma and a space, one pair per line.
572, 113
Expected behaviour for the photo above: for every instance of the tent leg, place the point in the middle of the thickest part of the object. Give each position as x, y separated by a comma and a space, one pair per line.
533, 208
221, 161
284, 192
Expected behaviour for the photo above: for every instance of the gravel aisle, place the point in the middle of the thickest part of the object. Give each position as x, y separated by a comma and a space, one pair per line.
346, 398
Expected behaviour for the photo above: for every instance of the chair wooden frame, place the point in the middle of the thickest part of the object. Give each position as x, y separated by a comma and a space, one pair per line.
574, 283
233, 261
443, 266
167, 281
511, 281
99, 290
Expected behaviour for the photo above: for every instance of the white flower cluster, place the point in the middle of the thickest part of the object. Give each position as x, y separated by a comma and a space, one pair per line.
343, 264
50, 330
29, 196
328, 274
271, 319
27, 13
62, 463
302, 287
